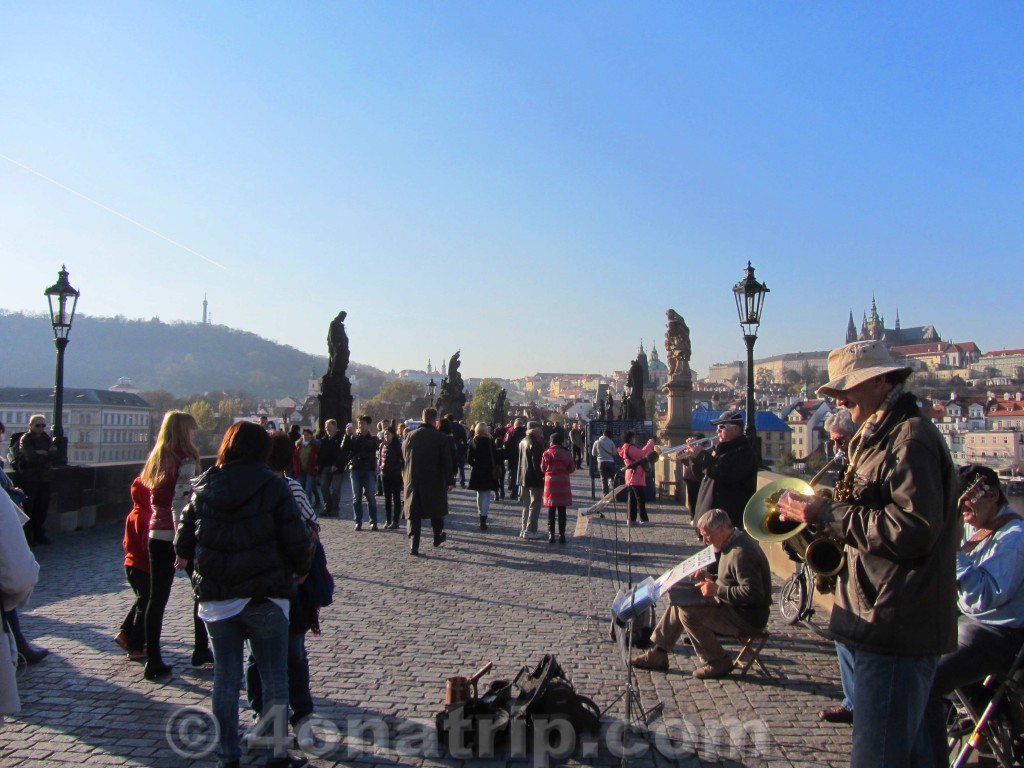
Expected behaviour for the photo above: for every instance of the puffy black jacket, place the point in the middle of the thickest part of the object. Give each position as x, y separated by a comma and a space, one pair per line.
244, 533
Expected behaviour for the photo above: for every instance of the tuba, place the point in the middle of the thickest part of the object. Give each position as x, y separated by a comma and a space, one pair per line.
821, 553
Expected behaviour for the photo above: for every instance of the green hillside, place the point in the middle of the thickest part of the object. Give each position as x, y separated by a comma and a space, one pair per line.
181, 358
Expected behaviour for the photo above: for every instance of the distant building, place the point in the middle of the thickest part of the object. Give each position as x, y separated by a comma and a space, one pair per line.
1006, 362
102, 426
776, 436
807, 420
872, 328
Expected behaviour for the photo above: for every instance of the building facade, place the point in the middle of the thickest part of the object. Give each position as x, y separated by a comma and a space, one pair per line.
102, 427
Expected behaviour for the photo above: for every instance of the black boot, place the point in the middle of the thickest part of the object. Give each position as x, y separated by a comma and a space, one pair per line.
551, 535
483, 522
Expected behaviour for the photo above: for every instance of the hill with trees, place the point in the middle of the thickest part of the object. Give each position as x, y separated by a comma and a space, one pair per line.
179, 358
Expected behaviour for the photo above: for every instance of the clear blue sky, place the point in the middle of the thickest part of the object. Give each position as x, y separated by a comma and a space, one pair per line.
533, 183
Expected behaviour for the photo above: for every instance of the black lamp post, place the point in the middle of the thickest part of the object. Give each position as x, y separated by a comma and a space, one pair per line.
58, 295
431, 389
750, 295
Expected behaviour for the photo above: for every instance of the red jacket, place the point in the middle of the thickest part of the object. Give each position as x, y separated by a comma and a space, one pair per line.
310, 468
136, 527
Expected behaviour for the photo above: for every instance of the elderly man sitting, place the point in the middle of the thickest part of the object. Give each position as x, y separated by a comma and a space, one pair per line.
737, 603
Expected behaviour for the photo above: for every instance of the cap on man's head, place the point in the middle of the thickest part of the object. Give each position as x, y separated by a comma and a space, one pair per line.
532, 425
855, 363
968, 474
729, 418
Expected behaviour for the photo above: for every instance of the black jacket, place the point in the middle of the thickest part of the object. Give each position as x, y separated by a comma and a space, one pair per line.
730, 478
331, 454
483, 460
512, 440
244, 534
362, 451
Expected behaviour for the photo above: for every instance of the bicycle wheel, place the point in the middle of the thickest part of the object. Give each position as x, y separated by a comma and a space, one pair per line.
793, 598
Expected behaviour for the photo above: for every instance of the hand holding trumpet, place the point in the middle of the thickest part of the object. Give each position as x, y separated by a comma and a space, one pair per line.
799, 508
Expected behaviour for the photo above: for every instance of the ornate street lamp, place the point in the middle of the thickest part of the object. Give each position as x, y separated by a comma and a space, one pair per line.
58, 295
750, 295
431, 389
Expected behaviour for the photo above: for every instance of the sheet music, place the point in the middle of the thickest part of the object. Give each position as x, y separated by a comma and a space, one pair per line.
688, 567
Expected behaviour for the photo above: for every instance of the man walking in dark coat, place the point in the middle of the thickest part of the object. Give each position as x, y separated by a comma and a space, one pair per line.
429, 475
515, 435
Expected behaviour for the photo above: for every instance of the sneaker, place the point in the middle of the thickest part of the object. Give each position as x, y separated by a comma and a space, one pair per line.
201, 656
836, 714
655, 658
717, 668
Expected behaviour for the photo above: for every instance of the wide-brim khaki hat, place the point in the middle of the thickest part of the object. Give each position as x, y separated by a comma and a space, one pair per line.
856, 363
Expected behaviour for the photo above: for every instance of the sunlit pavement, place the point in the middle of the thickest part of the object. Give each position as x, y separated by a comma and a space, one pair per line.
398, 628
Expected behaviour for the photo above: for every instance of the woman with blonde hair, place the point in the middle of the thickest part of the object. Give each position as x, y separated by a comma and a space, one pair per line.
168, 474
483, 460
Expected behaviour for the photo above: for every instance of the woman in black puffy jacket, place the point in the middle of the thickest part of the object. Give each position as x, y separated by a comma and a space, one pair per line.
250, 547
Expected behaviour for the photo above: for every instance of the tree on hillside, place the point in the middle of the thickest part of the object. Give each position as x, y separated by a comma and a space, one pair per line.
791, 376
396, 399
764, 378
161, 402
202, 412
486, 396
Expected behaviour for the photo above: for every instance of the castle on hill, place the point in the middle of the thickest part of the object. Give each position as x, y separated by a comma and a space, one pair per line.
872, 328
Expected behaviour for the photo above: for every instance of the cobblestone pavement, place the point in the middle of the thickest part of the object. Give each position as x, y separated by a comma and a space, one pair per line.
398, 628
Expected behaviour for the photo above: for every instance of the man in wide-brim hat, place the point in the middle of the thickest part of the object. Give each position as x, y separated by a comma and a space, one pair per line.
895, 513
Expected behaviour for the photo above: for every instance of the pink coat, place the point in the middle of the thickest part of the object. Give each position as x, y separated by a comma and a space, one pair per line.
630, 454
557, 464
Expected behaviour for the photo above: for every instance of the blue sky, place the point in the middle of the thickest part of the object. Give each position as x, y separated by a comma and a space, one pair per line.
533, 183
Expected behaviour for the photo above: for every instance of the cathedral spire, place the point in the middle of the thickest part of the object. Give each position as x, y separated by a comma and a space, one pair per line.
851, 330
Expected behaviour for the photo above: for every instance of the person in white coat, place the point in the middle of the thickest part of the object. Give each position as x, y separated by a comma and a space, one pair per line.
19, 572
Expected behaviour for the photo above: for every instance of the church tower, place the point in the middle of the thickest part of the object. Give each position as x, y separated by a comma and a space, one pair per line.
851, 330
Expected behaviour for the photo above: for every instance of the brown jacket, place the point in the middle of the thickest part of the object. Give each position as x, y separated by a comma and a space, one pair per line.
897, 590
428, 473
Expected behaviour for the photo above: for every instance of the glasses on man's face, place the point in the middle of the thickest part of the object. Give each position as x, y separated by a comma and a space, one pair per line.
840, 442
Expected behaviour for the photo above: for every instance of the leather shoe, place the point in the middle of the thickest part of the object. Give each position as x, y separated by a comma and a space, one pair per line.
439, 540
33, 655
654, 658
201, 656
836, 714
717, 668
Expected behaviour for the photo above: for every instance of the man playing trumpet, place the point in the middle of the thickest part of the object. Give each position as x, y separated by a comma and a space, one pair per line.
728, 472
895, 512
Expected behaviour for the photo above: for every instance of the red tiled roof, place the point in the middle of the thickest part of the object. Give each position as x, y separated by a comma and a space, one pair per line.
1003, 353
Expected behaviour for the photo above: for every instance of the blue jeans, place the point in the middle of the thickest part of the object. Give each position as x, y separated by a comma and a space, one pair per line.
299, 697
889, 696
266, 626
308, 482
483, 502
846, 674
364, 483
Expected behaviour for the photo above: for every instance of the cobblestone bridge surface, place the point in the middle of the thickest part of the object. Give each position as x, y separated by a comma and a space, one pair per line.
398, 628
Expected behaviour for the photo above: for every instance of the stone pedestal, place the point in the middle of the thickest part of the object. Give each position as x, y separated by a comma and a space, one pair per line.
679, 423
678, 427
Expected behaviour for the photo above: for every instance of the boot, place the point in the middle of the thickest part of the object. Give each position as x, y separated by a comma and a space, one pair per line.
483, 522
561, 538
551, 536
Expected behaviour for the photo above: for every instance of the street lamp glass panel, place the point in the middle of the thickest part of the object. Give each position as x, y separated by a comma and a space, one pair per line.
431, 388
60, 315
749, 295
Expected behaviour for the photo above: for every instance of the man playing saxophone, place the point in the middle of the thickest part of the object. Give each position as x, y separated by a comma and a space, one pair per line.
895, 512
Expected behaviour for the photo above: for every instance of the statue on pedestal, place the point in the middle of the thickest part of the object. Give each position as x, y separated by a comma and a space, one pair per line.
335, 387
677, 345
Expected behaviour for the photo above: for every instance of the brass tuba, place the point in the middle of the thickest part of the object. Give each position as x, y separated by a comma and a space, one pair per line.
821, 553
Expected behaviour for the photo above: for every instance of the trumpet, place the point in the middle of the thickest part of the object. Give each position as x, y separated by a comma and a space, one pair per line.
705, 443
